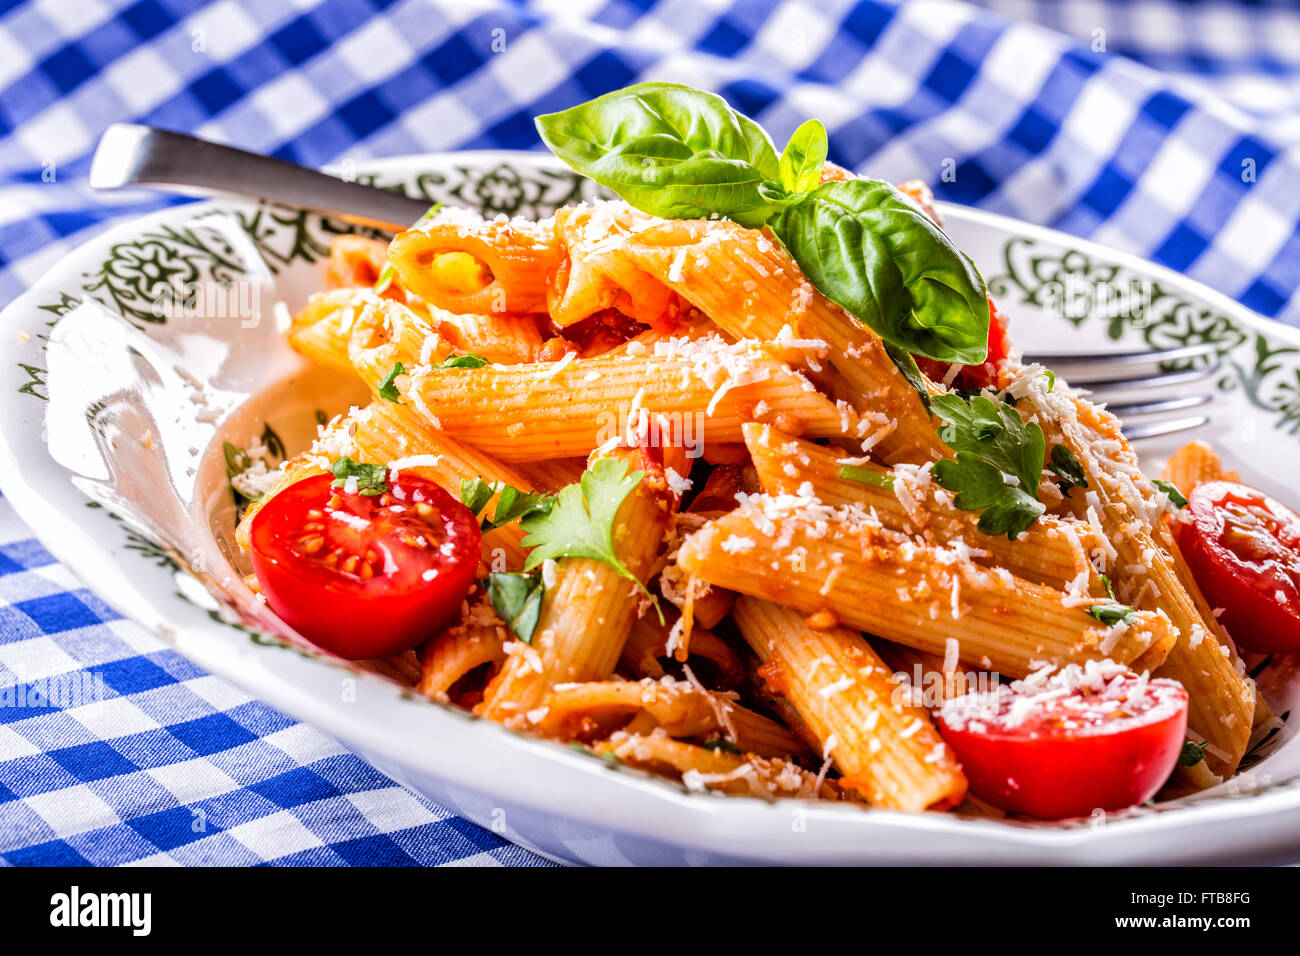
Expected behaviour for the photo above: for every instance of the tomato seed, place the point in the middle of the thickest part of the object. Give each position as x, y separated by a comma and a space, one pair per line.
311, 543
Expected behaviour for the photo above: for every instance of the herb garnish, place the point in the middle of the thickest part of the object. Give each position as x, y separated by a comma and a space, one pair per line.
867, 477
998, 464
469, 360
512, 505
1172, 492
681, 153
518, 599
1065, 466
1112, 613
580, 522
1191, 754
371, 479
388, 387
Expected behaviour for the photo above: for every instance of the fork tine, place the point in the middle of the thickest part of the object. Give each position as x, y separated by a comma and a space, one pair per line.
1158, 380
1134, 409
1083, 366
1156, 429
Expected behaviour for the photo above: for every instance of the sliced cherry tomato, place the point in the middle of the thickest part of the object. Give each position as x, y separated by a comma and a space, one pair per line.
365, 575
977, 376
1243, 548
1083, 739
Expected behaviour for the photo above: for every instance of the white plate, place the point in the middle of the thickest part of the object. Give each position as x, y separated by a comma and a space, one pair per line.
104, 454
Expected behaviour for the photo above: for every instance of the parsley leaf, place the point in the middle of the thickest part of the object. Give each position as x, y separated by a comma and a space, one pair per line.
1171, 490
1051, 378
388, 387
992, 443
511, 506
1112, 613
1065, 466
580, 522
371, 479
518, 599
1191, 754
469, 360
1007, 510
866, 476
995, 432
1110, 590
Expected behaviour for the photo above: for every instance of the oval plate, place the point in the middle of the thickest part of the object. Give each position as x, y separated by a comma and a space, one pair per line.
130, 363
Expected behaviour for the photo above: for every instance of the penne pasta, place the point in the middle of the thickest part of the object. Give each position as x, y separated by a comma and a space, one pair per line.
812, 557
1143, 563
462, 264
696, 393
747, 284
477, 640
1052, 552
703, 769
680, 708
728, 534
882, 744
1193, 464
586, 614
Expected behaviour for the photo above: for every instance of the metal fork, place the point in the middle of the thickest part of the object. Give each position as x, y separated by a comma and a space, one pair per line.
1148, 383
132, 155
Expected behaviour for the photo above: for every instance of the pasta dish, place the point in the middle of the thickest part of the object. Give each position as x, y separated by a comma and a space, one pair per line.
738, 479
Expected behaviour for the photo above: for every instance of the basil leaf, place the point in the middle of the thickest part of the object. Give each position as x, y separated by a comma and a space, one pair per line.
803, 158
670, 151
870, 249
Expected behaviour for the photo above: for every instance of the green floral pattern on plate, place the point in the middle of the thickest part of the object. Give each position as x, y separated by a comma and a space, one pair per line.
137, 273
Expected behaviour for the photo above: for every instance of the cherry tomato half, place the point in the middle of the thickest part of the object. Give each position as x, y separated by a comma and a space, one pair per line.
1070, 746
1243, 548
977, 376
365, 575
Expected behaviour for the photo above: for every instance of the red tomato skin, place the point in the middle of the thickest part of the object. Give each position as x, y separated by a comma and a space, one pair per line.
977, 376
1255, 619
356, 620
1055, 779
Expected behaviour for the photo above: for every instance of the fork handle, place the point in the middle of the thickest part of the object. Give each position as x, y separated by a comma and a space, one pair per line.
133, 155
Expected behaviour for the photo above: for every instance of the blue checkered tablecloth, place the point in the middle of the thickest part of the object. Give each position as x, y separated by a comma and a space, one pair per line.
1171, 129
